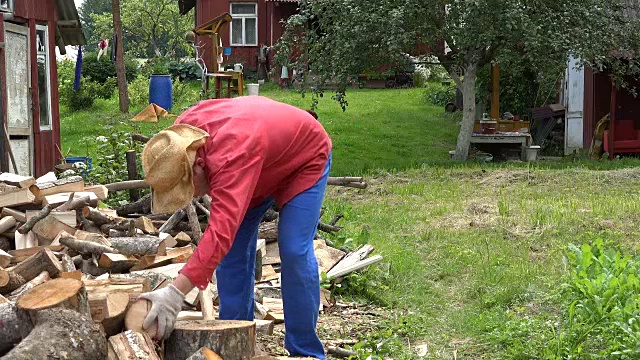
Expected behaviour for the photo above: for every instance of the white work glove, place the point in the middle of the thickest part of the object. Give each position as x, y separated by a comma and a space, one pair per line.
166, 303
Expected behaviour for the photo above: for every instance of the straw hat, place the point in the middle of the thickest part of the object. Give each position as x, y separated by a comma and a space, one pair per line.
167, 160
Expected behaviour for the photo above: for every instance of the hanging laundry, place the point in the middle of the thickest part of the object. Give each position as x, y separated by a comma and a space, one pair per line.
78, 73
103, 47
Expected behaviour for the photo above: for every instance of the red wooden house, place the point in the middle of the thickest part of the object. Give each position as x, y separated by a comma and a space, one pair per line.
255, 23
29, 33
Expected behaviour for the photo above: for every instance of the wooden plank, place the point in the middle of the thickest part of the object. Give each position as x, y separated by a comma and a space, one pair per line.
268, 273
354, 267
189, 315
352, 258
16, 198
17, 180
171, 270
326, 258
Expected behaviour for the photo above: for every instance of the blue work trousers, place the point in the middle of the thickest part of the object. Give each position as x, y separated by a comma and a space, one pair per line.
297, 226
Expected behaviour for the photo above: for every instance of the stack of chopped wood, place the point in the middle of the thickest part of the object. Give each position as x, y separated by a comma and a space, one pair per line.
71, 270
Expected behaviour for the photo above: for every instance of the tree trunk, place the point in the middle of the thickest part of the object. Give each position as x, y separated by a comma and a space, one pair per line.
16, 326
123, 92
468, 83
230, 339
61, 334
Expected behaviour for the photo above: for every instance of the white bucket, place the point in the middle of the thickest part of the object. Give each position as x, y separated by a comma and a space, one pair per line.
253, 89
531, 153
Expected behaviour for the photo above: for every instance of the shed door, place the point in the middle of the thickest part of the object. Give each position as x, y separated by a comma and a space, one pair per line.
18, 96
575, 108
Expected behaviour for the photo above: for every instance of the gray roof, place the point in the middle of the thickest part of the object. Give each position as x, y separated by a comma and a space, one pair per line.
69, 28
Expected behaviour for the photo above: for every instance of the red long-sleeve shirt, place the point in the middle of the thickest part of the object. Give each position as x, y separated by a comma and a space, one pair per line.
257, 148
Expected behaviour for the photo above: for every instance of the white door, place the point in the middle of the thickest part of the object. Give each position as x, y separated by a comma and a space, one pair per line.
18, 96
574, 103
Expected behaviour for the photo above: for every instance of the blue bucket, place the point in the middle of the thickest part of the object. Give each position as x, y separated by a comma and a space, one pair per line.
160, 91
227, 51
81, 159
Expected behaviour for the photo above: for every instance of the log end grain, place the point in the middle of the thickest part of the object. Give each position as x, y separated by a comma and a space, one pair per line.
51, 294
136, 315
231, 339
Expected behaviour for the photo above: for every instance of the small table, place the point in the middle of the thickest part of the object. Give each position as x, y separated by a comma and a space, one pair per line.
218, 77
524, 139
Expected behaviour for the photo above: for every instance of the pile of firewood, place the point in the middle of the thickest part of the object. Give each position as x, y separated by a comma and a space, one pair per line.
71, 270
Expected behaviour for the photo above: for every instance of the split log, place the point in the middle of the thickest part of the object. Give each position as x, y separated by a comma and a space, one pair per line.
230, 339
16, 325
119, 224
28, 226
68, 217
157, 280
276, 311
90, 267
194, 223
268, 231
3, 300
57, 293
86, 247
10, 281
70, 184
49, 228
139, 245
206, 303
142, 206
327, 256
131, 345
270, 215
61, 334
67, 263
151, 261
16, 198
20, 181
92, 237
7, 223
134, 319
264, 327
21, 255
78, 201
182, 239
43, 260
18, 215
173, 220
144, 224
96, 216
204, 353
101, 191
5, 258
98, 290
117, 263
113, 311
16, 294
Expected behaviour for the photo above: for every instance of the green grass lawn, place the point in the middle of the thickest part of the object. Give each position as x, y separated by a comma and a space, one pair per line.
474, 253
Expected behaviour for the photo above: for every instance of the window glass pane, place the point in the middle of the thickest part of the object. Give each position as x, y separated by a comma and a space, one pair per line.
250, 31
43, 77
236, 32
243, 9
4, 4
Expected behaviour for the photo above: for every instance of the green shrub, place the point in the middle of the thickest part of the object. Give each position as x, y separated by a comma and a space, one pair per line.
139, 91
184, 92
82, 98
184, 70
438, 94
106, 90
101, 70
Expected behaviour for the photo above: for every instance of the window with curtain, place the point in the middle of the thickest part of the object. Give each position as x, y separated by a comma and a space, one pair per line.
244, 26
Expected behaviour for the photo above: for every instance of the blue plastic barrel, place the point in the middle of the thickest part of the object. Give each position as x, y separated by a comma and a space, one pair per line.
160, 91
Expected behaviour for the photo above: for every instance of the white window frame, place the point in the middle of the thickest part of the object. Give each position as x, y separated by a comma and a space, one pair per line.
10, 7
47, 69
243, 17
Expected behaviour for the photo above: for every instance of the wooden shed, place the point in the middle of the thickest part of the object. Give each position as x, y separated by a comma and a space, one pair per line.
29, 33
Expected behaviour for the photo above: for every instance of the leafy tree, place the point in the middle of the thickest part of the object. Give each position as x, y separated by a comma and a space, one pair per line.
86, 10
338, 39
151, 27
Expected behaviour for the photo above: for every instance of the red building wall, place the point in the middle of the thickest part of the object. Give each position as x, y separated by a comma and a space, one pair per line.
40, 12
270, 15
